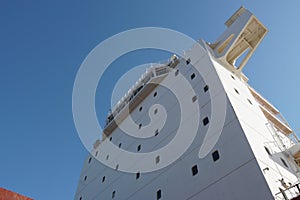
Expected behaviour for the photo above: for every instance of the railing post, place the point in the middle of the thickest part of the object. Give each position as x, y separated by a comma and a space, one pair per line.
283, 194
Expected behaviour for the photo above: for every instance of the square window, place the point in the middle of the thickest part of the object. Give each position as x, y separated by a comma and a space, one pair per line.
194, 98
157, 159
195, 170
188, 61
158, 194
216, 155
137, 176
206, 88
156, 132
236, 91
193, 76
284, 163
205, 121
250, 101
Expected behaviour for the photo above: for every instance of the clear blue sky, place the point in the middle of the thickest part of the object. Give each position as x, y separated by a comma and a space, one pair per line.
42, 44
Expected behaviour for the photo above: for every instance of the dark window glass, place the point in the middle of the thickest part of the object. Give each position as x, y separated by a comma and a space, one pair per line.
195, 170
158, 194
206, 88
236, 91
188, 61
193, 76
216, 155
157, 159
137, 176
205, 121
284, 163
267, 150
249, 101
194, 98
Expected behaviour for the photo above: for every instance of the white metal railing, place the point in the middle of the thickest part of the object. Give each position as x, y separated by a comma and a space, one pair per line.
155, 70
288, 193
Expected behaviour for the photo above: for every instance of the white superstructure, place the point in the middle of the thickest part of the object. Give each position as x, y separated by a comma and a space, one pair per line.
253, 155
